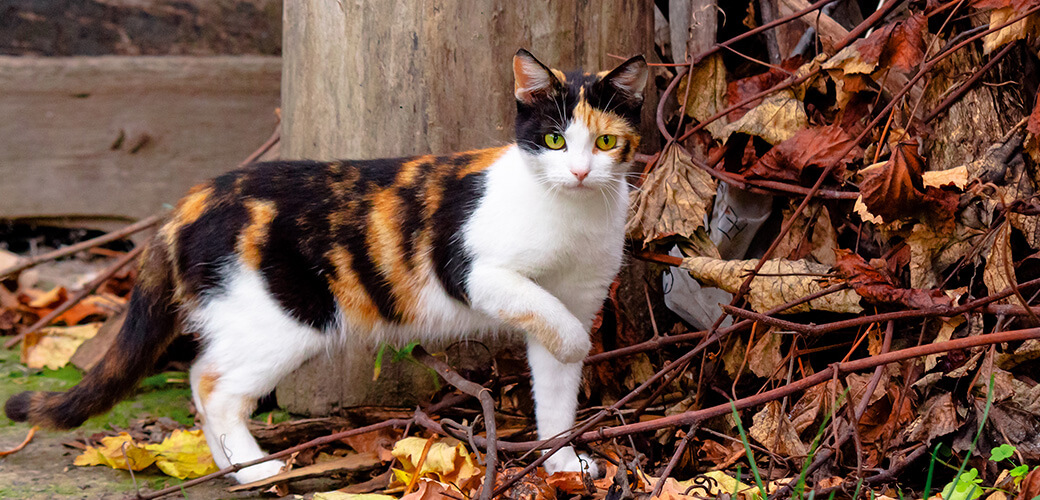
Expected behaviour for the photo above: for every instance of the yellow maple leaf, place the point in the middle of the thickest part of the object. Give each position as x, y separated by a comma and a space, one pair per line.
111, 453
184, 455
447, 461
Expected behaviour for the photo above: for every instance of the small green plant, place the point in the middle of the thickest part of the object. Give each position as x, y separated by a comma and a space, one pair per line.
1005, 452
966, 485
747, 450
402, 354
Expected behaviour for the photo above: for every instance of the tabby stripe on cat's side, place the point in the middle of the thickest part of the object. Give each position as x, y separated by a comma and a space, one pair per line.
373, 223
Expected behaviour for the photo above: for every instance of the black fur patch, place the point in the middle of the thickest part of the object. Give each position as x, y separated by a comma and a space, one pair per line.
17, 407
450, 258
205, 245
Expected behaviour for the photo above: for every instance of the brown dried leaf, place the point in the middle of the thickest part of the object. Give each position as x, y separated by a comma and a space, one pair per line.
999, 262
938, 417
894, 188
932, 251
774, 430
765, 359
816, 401
779, 281
378, 442
1019, 6
530, 487
875, 288
708, 95
741, 89
674, 200
778, 118
812, 235
1019, 30
567, 482
817, 147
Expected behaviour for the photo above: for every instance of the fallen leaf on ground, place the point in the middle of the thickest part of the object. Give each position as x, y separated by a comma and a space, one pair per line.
802, 158
184, 455
812, 235
53, 347
673, 202
1000, 266
447, 461
111, 453
779, 281
532, 486
894, 188
772, 429
778, 118
875, 288
339, 495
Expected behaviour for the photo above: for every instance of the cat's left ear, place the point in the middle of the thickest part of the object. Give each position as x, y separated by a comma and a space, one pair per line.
629, 77
532, 79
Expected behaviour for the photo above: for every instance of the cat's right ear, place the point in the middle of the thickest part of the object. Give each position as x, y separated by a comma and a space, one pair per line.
531, 78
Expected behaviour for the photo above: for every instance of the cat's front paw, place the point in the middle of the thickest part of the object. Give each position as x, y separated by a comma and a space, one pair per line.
566, 460
258, 472
574, 348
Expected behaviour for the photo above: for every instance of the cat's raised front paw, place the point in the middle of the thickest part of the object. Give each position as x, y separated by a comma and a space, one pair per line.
574, 350
566, 460
258, 472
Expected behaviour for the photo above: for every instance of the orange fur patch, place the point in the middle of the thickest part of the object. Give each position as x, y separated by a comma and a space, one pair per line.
483, 158
559, 75
254, 236
384, 247
349, 291
207, 382
606, 123
535, 326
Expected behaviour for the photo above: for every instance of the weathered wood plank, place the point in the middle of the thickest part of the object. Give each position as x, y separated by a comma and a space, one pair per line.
120, 136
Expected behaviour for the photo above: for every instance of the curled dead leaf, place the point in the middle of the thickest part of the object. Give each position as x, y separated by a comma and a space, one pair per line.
875, 288
778, 118
708, 95
894, 188
779, 281
673, 202
772, 429
802, 158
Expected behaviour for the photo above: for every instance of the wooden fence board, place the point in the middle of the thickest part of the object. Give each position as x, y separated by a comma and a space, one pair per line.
118, 136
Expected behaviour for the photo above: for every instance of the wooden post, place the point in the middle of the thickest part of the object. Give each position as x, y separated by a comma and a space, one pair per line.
379, 78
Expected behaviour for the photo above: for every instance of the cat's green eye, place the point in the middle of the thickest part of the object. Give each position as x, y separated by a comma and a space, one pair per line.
606, 142
554, 140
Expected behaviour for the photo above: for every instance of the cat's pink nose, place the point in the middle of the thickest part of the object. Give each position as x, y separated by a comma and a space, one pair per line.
580, 174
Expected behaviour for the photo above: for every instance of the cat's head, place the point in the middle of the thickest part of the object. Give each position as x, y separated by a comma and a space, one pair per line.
578, 130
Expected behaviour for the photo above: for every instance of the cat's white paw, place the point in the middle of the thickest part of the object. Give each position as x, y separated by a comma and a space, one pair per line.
258, 472
574, 348
566, 460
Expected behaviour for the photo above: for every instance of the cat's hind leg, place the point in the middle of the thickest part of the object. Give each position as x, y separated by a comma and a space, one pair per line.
249, 343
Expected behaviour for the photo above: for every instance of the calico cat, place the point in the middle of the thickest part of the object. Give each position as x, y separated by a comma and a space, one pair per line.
277, 262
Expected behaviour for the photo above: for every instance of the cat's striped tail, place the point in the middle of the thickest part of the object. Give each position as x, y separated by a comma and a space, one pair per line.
148, 330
